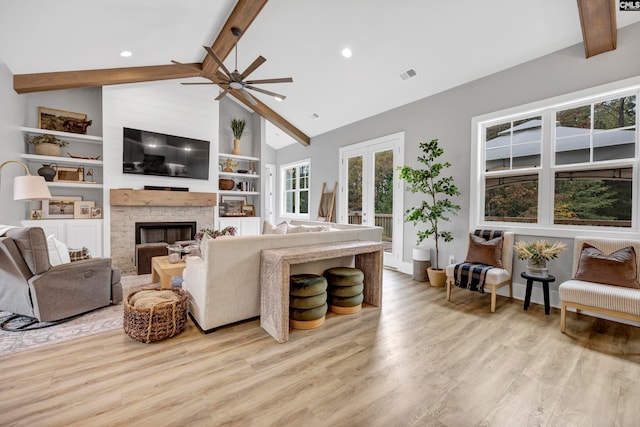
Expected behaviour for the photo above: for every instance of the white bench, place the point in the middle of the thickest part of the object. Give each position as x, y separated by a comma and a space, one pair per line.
615, 301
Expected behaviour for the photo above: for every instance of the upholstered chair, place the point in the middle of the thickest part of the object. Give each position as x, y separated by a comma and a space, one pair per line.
32, 287
488, 265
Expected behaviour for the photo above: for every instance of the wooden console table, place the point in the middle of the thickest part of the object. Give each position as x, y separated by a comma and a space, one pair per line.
274, 278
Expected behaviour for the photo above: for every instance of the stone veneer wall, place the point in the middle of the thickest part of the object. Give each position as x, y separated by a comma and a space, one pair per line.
124, 218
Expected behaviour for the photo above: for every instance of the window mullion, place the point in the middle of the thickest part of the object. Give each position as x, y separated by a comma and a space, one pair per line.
546, 185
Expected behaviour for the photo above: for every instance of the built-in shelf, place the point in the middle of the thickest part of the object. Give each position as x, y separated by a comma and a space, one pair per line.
242, 193
68, 184
242, 158
66, 136
237, 175
61, 160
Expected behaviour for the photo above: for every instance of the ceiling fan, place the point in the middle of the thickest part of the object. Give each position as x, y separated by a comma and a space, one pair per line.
235, 79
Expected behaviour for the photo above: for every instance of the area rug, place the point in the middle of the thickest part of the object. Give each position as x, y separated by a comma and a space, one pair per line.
95, 322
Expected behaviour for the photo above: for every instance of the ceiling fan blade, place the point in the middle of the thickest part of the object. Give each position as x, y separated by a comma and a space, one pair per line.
197, 83
266, 92
248, 96
251, 68
218, 60
222, 94
280, 80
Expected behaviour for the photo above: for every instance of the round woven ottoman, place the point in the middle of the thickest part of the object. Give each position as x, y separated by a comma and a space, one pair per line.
345, 289
154, 314
307, 301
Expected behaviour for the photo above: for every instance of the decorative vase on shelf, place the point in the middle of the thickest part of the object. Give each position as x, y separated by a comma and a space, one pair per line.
48, 149
48, 172
236, 147
537, 268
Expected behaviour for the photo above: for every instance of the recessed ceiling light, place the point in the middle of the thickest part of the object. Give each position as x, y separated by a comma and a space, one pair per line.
346, 52
125, 54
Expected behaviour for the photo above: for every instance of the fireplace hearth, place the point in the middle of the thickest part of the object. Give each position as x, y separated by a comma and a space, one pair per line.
169, 232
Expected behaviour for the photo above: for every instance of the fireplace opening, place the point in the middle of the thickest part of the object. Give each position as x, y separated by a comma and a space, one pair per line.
169, 232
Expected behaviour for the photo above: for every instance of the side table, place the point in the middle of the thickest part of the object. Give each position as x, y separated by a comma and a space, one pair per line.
545, 289
162, 270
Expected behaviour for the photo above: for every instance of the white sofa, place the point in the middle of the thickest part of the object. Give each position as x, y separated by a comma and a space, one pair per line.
616, 301
224, 285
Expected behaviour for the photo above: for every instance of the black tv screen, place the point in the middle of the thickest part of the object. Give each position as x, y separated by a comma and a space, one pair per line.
153, 153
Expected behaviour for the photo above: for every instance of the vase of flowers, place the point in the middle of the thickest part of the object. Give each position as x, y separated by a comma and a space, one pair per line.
537, 253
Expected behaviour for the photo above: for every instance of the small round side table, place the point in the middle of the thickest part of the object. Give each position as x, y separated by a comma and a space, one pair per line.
545, 289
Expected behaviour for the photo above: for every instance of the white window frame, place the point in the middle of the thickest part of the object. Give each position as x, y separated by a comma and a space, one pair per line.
547, 109
283, 199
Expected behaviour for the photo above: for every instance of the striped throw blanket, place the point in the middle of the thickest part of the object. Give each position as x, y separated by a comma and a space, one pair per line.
472, 276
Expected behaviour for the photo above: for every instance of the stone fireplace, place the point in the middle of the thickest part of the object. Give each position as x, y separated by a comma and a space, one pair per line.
129, 207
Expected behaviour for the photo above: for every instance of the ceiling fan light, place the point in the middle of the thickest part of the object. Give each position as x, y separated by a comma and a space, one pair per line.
278, 98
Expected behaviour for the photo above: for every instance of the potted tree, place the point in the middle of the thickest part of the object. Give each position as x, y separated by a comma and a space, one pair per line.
237, 126
437, 206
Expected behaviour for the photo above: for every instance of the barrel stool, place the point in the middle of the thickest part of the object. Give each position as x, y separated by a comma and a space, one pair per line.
345, 289
307, 301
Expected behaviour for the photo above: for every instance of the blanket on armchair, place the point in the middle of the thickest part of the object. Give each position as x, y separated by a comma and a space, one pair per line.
472, 276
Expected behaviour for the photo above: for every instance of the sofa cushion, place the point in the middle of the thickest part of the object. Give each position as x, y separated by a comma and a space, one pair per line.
58, 251
79, 254
619, 268
487, 252
32, 244
268, 228
615, 298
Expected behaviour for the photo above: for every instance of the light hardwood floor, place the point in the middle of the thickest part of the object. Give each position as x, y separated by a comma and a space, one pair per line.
417, 361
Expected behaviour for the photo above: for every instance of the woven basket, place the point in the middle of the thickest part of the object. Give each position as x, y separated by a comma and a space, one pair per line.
158, 322
48, 149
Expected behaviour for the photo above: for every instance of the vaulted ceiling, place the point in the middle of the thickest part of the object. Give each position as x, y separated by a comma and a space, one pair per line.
446, 43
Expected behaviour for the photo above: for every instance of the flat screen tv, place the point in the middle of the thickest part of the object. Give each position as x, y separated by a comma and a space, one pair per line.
153, 153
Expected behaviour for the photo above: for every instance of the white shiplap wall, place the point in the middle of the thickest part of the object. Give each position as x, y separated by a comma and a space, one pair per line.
165, 107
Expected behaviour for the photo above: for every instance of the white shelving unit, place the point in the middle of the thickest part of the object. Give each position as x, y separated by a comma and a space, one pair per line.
88, 145
249, 180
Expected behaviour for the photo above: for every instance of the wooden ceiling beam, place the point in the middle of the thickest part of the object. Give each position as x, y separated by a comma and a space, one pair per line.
273, 117
599, 27
41, 82
241, 17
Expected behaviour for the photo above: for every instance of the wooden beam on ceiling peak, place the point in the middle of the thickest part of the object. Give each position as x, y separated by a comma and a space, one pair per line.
599, 28
279, 121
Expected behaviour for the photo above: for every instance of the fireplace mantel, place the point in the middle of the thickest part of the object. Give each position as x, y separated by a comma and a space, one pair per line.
128, 197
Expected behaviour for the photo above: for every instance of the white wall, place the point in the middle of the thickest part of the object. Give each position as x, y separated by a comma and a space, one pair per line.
165, 107
11, 145
447, 116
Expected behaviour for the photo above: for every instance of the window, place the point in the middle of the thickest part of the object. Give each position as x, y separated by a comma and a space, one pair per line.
565, 165
295, 189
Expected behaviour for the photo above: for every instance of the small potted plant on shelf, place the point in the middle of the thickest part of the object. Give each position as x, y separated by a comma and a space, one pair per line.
538, 252
436, 206
48, 145
237, 126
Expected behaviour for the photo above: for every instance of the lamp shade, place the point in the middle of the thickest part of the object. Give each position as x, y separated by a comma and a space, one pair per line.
30, 188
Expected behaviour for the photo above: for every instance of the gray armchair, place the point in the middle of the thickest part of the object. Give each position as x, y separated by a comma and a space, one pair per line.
30, 286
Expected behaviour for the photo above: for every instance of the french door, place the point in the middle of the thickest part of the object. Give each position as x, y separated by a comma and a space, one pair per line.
370, 191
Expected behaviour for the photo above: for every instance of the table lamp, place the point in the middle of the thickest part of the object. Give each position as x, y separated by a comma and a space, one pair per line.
28, 187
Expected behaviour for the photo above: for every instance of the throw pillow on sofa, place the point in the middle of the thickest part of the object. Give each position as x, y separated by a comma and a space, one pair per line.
619, 268
268, 228
58, 251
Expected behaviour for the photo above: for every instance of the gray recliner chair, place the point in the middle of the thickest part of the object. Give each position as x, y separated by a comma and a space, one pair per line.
30, 286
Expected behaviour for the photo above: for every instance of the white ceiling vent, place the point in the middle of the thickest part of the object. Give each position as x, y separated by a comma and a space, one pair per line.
406, 75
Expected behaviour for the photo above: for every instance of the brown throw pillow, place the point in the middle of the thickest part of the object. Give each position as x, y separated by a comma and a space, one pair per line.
618, 268
481, 251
